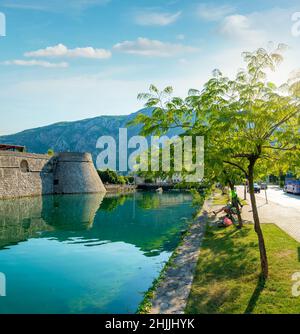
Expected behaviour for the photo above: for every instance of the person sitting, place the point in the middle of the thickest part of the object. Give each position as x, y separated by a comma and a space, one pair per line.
227, 209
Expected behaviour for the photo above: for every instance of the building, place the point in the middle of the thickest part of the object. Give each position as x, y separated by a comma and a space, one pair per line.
26, 174
13, 148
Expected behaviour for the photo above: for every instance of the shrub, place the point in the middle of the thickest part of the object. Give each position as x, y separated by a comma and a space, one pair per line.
50, 152
111, 177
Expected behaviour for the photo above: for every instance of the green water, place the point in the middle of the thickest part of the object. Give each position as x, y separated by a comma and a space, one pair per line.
86, 254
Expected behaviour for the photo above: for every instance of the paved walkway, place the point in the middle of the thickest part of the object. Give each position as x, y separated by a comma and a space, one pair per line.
282, 209
173, 291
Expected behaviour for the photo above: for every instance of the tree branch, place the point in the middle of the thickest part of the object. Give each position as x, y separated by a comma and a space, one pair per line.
236, 165
281, 148
282, 121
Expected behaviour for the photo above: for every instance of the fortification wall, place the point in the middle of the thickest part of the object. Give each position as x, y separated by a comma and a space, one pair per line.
25, 174
75, 173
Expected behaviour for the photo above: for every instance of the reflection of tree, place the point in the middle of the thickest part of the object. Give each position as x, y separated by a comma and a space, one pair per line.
149, 201
111, 203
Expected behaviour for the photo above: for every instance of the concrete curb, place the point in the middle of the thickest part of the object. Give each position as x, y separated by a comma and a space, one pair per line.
171, 294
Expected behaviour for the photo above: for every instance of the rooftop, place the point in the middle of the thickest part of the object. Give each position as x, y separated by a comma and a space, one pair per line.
8, 147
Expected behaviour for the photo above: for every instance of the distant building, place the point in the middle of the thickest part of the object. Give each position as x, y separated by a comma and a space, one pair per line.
13, 148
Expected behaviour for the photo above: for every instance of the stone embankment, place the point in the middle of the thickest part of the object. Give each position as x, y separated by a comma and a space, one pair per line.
172, 292
119, 188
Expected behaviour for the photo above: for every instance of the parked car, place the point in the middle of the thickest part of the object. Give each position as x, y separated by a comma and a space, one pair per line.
293, 187
256, 188
263, 186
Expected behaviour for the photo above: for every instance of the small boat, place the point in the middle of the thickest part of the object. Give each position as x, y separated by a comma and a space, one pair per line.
159, 190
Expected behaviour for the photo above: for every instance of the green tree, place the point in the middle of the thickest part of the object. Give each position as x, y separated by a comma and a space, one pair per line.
248, 122
50, 152
111, 177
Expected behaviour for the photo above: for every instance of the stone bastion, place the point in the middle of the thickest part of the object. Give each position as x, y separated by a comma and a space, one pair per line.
26, 174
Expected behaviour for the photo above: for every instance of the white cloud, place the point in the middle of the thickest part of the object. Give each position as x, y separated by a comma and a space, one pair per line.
69, 98
153, 48
53, 5
154, 18
211, 12
254, 30
39, 63
241, 29
61, 50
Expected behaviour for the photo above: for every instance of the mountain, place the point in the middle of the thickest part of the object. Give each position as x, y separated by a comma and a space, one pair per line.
78, 136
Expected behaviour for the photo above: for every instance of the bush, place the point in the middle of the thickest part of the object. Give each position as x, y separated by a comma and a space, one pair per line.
129, 179
111, 177
50, 152
121, 180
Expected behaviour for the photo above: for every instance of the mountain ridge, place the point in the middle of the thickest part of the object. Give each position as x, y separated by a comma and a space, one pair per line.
75, 136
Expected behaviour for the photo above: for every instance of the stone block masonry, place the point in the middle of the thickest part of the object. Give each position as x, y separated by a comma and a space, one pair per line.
26, 174
75, 173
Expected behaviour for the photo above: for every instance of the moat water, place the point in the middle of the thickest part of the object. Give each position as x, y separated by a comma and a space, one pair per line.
86, 254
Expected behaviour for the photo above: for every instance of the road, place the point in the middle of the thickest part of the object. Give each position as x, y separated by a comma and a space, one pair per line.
278, 196
282, 209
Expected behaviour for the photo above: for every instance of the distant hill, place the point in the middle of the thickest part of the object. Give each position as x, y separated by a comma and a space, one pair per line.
78, 136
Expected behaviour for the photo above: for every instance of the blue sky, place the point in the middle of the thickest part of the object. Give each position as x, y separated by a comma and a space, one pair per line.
69, 60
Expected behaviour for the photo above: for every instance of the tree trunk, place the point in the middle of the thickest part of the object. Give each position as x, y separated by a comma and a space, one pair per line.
236, 205
245, 191
257, 227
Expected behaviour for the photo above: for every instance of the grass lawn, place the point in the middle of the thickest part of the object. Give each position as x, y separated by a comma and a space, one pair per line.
220, 200
227, 275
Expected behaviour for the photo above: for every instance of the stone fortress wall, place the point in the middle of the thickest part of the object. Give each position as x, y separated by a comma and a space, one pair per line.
76, 173
26, 174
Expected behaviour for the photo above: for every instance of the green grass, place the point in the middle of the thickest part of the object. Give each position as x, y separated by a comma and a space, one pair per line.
227, 275
220, 200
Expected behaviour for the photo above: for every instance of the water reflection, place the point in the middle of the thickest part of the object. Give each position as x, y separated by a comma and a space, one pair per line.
21, 219
86, 253
24, 218
71, 212
149, 221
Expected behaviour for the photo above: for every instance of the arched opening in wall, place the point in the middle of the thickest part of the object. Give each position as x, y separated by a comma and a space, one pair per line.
24, 166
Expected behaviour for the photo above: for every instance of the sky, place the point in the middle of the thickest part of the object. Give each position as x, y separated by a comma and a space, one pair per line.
76, 59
